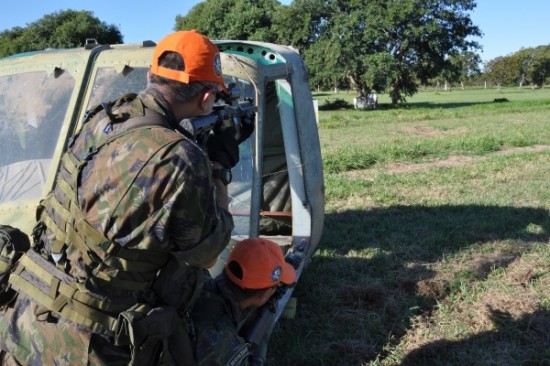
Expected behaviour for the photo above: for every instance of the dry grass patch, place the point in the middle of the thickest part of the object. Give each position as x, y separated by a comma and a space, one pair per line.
424, 130
503, 296
450, 162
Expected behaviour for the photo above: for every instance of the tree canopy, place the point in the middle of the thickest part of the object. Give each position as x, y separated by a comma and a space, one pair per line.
528, 65
64, 29
369, 45
232, 19
384, 46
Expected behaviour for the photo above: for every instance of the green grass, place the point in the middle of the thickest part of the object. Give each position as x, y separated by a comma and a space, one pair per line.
353, 139
436, 242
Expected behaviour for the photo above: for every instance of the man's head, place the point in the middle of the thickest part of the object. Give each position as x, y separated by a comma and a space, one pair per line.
201, 58
186, 64
254, 269
258, 263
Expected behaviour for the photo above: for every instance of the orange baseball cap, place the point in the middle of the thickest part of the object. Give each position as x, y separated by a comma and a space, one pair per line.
262, 264
200, 56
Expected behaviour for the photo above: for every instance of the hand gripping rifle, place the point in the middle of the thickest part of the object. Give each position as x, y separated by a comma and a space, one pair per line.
228, 115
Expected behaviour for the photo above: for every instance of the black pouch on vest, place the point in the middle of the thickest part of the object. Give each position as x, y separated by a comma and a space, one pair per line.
159, 337
13, 243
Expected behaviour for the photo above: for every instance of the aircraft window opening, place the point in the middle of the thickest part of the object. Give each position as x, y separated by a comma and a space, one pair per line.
110, 85
30, 123
276, 206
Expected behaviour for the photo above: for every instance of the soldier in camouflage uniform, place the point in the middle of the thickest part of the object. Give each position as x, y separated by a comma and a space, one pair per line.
251, 274
135, 217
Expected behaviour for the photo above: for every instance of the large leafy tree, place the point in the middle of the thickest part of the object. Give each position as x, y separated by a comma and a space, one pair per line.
540, 71
534, 64
302, 24
528, 65
64, 29
370, 45
504, 70
11, 41
392, 45
232, 19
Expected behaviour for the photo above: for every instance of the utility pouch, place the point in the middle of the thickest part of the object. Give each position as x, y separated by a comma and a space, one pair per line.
159, 337
178, 285
13, 243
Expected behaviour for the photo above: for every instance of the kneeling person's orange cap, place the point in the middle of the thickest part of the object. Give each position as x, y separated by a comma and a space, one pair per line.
201, 58
261, 263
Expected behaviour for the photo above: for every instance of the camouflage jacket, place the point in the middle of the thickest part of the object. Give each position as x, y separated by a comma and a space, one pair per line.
148, 190
217, 316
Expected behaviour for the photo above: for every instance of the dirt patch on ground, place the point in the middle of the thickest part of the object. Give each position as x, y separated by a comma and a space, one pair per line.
483, 266
514, 301
430, 131
434, 289
513, 308
451, 161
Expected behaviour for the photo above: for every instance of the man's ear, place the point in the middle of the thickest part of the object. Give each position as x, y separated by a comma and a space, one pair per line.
204, 104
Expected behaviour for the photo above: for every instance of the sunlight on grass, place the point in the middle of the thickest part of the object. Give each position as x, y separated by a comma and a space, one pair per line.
435, 249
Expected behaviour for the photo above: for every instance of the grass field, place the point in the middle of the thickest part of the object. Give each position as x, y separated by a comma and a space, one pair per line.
436, 246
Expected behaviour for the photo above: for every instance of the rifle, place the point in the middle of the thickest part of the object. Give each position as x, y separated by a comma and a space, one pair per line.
228, 115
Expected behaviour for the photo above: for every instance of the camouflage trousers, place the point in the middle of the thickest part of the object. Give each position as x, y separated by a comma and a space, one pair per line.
30, 340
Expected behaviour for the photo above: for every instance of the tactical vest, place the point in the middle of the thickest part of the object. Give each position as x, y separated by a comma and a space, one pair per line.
105, 261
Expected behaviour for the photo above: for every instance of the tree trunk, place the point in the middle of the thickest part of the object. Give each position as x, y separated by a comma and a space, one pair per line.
521, 80
357, 86
394, 95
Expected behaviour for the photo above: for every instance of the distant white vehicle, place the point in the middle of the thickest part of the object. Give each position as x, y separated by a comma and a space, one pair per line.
368, 102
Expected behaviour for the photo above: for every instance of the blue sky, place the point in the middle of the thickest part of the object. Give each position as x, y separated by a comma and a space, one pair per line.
508, 25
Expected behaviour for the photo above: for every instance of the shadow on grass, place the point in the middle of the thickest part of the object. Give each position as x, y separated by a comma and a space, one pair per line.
373, 274
526, 339
431, 231
443, 105
340, 104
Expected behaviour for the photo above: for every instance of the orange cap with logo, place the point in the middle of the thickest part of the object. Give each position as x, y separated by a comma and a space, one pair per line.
262, 265
200, 56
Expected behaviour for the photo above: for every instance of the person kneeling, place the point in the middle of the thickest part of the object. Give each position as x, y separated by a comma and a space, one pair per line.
251, 275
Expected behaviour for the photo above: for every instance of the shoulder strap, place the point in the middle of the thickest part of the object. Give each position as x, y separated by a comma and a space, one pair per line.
151, 118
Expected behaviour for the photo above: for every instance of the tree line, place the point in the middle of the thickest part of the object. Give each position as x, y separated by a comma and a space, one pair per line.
63, 29
383, 46
529, 66
370, 46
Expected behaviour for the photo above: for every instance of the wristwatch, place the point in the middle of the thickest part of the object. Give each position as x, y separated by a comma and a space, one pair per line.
223, 174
